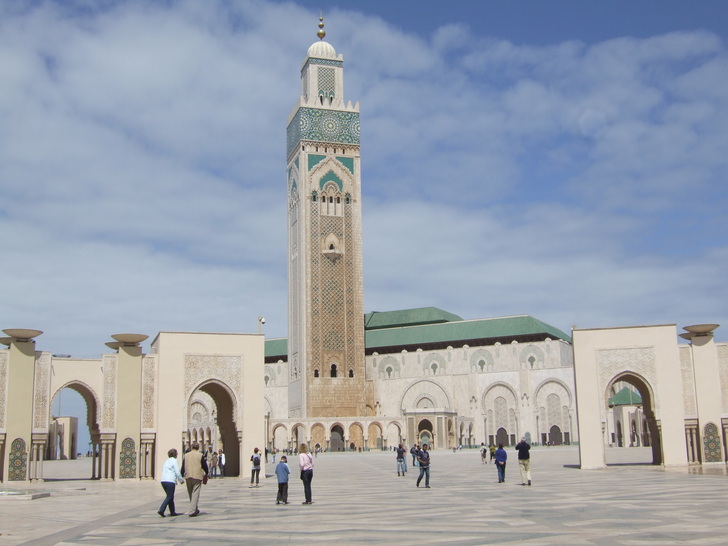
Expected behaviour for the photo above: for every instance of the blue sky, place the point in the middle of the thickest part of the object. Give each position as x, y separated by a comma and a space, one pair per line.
560, 159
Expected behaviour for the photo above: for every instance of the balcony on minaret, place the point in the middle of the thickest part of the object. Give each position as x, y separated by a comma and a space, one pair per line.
332, 253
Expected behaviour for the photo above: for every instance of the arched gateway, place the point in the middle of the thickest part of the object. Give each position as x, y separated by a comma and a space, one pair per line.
139, 405
679, 392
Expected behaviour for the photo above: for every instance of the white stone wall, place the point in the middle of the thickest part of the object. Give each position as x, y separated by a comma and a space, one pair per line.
466, 381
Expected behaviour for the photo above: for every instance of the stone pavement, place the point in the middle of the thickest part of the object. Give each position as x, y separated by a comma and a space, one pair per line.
358, 498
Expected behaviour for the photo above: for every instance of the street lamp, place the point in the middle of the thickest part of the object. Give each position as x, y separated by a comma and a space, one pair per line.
261, 321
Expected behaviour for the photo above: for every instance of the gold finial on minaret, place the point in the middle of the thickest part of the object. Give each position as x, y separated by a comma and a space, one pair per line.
321, 32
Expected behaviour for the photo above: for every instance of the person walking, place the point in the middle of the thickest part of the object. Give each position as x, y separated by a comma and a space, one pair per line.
170, 476
423, 457
500, 463
524, 461
491, 449
255, 472
401, 460
213, 464
282, 472
305, 462
483, 453
413, 451
194, 469
221, 462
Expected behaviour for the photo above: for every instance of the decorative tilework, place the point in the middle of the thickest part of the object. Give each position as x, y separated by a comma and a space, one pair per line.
324, 62
331, 177
319, 125
18, 468
127, 465
314, 159
711, 444
327, 82
347, 162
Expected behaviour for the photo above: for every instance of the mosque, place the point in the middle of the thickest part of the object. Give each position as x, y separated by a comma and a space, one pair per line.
344, 380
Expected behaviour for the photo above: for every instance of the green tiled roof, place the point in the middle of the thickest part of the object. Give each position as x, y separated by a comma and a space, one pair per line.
521, 328
625, 397
407, 317
385, 336
275, 348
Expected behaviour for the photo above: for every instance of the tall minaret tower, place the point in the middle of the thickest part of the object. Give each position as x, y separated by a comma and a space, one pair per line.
325, 280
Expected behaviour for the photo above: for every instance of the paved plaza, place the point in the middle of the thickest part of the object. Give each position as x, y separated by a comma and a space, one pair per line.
358, 498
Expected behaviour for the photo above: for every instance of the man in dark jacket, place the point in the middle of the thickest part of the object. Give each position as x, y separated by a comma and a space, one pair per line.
524, 461
500, 463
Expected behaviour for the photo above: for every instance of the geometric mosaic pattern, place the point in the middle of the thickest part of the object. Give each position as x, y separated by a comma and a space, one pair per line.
18, 461
327, 82
318, 125
711, 444
127, 465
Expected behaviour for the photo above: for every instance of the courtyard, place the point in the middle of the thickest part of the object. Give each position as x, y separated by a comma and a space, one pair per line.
358, 498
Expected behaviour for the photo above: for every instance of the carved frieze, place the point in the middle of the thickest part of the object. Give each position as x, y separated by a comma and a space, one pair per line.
3, 386
149, 374
640, 360
688, 382
226, 369
108, 420
42, 389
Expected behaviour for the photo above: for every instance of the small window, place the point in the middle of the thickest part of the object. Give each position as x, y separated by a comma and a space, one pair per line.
315, 373
351, 373
333, 370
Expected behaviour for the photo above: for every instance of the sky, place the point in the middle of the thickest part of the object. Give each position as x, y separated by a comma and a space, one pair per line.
562, 159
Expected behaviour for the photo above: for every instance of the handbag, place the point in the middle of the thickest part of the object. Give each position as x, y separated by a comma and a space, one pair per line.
204, 479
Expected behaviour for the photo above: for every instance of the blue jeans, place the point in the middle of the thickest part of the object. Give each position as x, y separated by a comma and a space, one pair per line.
169, 488
501, 471
424, 471
401, 466
307, 476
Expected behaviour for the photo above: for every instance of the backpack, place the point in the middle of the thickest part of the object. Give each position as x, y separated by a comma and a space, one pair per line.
256, 460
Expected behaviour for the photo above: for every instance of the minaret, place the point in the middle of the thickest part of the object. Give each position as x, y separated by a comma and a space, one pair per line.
325, 280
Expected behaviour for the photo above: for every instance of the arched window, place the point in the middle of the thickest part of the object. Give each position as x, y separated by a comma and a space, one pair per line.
333, 370
351, 373
434, 368
315, 373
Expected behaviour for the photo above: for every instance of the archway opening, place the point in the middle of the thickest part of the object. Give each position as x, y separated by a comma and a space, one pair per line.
218, 430
337, 438
501, 437
631, 426
73, 435
280, 439
555, 436
425, 433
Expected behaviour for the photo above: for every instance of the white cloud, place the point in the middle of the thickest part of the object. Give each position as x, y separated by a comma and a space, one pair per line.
142, 170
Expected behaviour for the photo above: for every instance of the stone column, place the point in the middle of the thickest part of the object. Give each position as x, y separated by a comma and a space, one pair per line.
19, 372
707, 391
129, 402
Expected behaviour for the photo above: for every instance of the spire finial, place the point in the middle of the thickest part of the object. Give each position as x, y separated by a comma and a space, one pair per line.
321, 32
